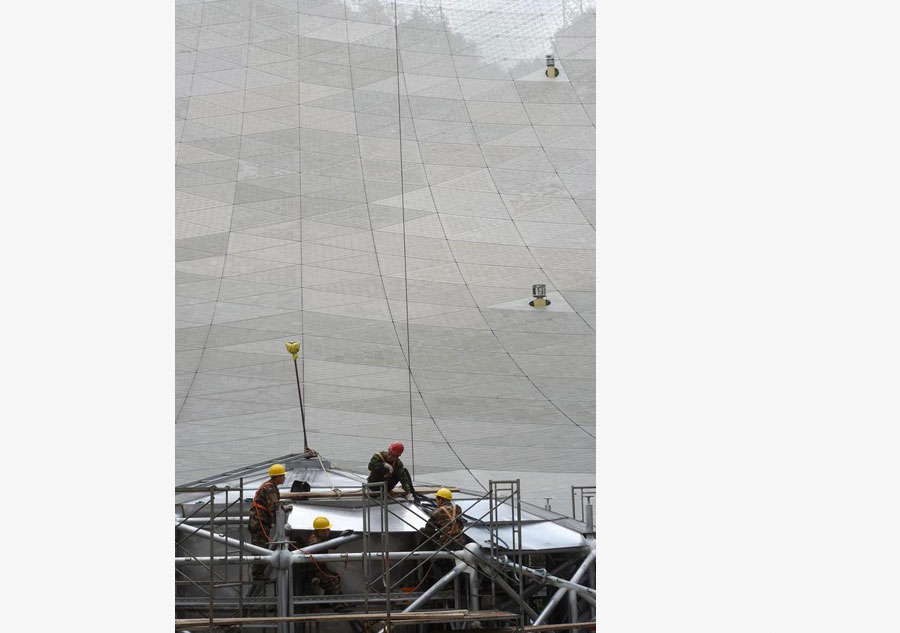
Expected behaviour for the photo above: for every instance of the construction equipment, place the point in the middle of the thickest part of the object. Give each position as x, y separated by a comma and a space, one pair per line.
511, 563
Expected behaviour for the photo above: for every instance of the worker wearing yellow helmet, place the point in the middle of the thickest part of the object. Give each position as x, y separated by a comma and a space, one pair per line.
262, 515
445, 523
329, 581
443, 528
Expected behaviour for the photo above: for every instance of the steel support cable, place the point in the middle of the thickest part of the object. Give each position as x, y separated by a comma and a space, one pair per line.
406, 352
553, 404
328, 477
212, 318
412, 443
581, 103
300, 223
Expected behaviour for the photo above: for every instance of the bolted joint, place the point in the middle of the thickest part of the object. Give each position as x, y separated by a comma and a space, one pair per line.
281, 559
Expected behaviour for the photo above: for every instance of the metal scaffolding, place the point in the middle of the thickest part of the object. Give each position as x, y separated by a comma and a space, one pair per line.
396, 569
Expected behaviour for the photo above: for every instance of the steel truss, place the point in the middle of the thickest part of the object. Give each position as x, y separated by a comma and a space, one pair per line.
495, 577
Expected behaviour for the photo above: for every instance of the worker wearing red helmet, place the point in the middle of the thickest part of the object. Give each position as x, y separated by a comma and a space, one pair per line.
386, 466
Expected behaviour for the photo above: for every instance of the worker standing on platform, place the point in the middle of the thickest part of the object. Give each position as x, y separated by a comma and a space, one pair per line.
262, 515
386, 466
445, 524
329, 581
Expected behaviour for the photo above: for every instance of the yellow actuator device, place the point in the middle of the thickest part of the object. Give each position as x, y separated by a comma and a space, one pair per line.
294, 348
552, 71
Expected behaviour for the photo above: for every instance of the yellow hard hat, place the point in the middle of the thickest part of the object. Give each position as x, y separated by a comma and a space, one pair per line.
444, 493
321, 523
276, 469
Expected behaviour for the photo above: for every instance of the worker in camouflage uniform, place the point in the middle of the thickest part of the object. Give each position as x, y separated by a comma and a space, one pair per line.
329, 581
445, 525
262, 516
386, 466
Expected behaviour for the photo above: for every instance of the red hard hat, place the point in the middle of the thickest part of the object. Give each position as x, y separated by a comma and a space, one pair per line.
396, 448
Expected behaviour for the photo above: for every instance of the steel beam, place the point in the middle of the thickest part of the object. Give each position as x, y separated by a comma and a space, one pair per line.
450, 575
515, 596
562, 590
331, 543
300, 557
585, 592
219, 538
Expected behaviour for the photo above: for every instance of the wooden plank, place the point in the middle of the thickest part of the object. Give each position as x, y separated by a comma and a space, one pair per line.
590, 626
417, 617
351, 492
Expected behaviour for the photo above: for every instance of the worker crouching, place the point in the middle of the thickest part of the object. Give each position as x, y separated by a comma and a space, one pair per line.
386, 466
329, 582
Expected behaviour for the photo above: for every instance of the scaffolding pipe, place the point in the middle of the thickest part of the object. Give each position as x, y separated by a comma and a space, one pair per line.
331, 543
282, 572
472, 571
219, 538
515, 596
573, 609
585, 592
562, 590
192, 520
450, 575
299, 557
592, 581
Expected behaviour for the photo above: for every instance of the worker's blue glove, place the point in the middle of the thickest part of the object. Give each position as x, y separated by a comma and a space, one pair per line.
346, 532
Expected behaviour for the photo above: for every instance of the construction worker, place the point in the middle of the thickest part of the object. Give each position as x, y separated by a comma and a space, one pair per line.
445, 524
386, 466
329, 581
262, 518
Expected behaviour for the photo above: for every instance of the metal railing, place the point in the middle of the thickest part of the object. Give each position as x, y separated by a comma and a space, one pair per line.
221, 516
502, 562
582, 509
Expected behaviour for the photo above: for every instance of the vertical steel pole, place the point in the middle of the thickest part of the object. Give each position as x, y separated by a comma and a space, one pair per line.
241, 554
212, 507
589, 514
302, 414
228, 571
519, 555
282, 603
573, 610
592, 582
473, 591
365, 546
385, 536
495, 514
